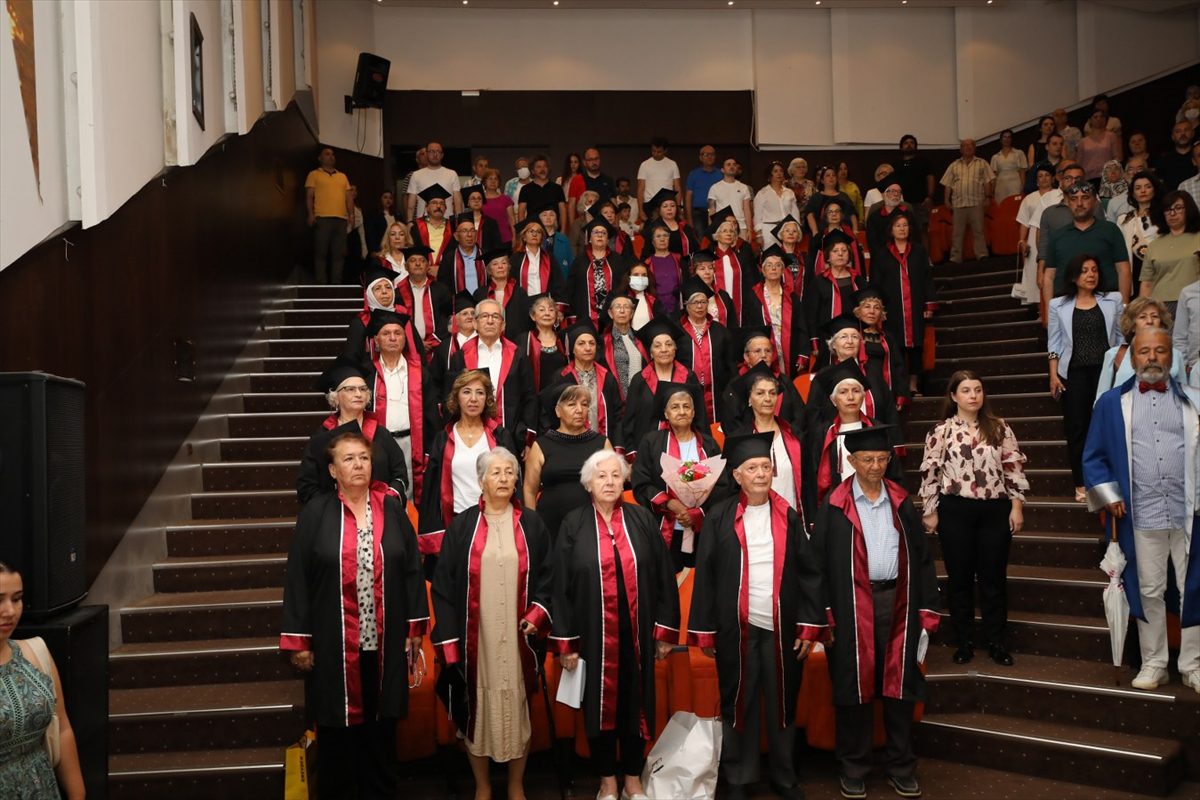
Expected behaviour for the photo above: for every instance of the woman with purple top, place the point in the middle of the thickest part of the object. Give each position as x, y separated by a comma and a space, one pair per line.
665, 267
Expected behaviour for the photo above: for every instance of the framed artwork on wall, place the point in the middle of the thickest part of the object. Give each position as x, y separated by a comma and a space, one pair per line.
197, 62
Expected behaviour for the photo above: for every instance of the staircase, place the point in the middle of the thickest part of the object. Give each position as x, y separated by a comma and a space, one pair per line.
1062, 711
203, 705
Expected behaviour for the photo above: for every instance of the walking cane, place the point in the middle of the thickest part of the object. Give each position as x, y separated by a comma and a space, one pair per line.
539, 654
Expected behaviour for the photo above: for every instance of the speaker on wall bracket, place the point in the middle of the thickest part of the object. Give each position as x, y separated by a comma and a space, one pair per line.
370, 82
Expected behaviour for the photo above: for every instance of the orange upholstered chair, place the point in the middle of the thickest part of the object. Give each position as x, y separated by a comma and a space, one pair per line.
1003, 230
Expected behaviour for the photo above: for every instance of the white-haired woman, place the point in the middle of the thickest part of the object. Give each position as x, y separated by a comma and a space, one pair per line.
798, 181
616, 607
491, 590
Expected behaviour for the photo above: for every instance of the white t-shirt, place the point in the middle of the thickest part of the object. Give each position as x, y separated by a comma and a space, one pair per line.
491, 358
463, 472
723, 193
657, 175
760, 552
425, 177
844, 465
783, 484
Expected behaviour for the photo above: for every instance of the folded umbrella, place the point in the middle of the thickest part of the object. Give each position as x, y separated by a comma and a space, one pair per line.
1116, 604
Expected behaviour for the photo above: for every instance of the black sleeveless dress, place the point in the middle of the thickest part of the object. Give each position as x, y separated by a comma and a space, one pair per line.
563, 457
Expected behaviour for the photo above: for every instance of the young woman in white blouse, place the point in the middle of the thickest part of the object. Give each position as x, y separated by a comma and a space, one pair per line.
772, 203
973, 489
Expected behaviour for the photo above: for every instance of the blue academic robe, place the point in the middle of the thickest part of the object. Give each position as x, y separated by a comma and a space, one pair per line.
1107, 464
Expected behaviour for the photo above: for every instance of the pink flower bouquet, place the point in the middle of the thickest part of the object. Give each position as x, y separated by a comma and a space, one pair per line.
691, 481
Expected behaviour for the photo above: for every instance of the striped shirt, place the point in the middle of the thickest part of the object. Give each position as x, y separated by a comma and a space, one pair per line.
1158, 460
968, 182
883, 540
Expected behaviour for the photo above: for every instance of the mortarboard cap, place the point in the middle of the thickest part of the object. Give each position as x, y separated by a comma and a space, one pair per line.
496, 252
381, 317
667, 389
435, 192
777, 231
658, 327
874, 439
470, 190
341, 370
463, 301
840, 323
599, 222
836, 237
704, 256
868, 293
418, 249
694, 285
740, 449
720, 215
660, 197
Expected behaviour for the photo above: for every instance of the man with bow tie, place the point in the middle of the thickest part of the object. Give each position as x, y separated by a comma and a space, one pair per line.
1140, 464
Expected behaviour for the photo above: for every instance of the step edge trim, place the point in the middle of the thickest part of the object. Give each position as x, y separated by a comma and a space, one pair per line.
1042, 740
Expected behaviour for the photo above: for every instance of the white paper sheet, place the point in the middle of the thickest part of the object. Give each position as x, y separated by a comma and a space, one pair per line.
570, 686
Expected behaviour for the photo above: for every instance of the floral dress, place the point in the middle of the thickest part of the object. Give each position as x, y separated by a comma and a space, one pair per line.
26, 708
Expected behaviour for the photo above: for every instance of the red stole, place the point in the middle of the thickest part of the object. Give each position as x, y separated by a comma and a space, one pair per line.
533, 349
589, 277
618, 539
416, 422
685, 248
702, 364
824, 468
601, 403
435, 259
446, 479
610, 359
509, 286
425, 311
474, 568
887, 356
650, 376
735, 270
792, 445
544, 271
906, 306
667, 529
779, 509
822, 270
842, 498
783, 345
348, 571
508, 352
368, 425
460, 270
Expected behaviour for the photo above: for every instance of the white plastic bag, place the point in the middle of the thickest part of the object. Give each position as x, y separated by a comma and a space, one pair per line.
683, 762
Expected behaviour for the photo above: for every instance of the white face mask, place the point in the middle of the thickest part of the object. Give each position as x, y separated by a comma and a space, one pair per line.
639, 283
1192, 114
523, 173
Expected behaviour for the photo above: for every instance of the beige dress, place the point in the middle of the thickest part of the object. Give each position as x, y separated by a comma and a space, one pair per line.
502, 716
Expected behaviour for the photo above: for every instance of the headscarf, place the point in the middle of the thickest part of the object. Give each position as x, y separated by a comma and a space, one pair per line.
1114, 188
372, 303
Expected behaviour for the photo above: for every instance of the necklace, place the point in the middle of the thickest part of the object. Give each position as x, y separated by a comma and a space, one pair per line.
469, 437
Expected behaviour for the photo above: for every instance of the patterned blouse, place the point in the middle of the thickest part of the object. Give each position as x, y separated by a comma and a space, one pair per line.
368, 632
956, 462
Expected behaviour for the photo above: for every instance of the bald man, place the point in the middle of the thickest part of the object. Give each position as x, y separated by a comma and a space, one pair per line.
968, 181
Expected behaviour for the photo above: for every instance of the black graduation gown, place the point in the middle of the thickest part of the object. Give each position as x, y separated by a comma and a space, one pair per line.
744, 298
879, 402
440, 302
316, 604
611, 412
456, 595
841, 550
516, 309
639, 405
580, 286
551, 277
517, 403
681, 236
905, 320
488, 233
796, 344
585, 607
720, 603
817, 452
879, 222
735, 405
794, 444
439, 363
545, 364
820, 306
885, 365
387, 459
721, 348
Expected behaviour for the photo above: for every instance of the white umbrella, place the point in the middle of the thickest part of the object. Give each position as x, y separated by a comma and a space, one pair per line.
1116, 605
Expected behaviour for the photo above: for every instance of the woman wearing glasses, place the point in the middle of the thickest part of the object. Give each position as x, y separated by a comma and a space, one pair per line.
1144, 222
356, 660
1171, 260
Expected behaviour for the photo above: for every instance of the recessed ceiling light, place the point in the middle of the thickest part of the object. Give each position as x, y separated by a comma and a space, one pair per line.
817, 3
730, 2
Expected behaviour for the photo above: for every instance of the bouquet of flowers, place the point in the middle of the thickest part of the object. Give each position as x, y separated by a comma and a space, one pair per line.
691, 481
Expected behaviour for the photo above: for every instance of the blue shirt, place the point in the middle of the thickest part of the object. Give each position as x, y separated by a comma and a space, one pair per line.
1158, 452
699, 181
470, 277
883, 540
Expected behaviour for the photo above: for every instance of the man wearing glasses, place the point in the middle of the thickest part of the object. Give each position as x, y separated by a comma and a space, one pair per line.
1055, 216
1098, 238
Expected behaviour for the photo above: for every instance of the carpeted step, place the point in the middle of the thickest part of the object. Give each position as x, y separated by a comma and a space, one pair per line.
1046, 427
220, 573
303, 381
299, 348
997, 347
947, 334
184, 616
281, 423
250, 475
190, 774
245, 505
315, 364
985, 364
199, 661
167, 718
980, 283
1009, 406
270, 402
985, 299
1061, 636
238, 537
1051, 590
295, 316
1134, 763
318, 291
270, 448
307, 331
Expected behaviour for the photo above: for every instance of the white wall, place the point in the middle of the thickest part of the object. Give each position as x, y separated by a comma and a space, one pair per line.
248, 70
793, 84
192, 142
1117, 46
28, 213
283, 53
343, 31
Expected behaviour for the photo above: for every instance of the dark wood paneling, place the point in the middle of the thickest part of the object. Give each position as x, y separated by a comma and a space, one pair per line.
190, 256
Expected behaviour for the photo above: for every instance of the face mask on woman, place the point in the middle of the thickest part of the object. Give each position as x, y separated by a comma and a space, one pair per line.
639, 283
523, 173
1192, 113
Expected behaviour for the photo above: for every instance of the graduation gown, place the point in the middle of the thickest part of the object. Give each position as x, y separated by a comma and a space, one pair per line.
822, 467
841, 550
793, 443
883, 364
710, 360
823, 301
793, 346
550, 278
419, 416
452, 273
611, 408
436, 310
683, 241
488, 235
545, 364
606, 355
735, 404
1107, 474
436, 509
420, 234
439, 364
878, 403
320, 604
906, 283
585, 603
878, 225
639, 416
387, 459
741, 288
652, 492
456, 594
515, 399
719, 615
581, 286
516, 308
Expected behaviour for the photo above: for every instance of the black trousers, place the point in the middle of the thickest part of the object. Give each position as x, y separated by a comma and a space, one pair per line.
856, 723
975, 540
1077, 403
740, 750
359, 761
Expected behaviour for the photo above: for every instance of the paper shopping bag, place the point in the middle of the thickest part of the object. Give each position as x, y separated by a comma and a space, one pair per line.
300, 763
683, 762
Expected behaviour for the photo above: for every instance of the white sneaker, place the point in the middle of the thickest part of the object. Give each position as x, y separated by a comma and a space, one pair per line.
1192, 679
1150, 678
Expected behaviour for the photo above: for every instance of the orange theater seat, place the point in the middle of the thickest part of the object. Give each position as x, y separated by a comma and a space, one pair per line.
814, 707
639, 242
417, 735
803, 384
929, 349
717, 433
940, 229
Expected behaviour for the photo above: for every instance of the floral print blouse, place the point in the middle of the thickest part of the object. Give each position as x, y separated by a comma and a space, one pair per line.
958, 463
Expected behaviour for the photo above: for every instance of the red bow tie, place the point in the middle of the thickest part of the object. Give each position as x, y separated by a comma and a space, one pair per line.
1144, 387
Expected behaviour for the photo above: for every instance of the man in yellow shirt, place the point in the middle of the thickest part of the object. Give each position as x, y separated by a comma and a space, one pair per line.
330, 214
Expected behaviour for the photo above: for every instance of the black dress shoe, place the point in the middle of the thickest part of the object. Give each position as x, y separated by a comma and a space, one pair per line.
964, 654
905, 787
1000, 655
795, 792
853, 788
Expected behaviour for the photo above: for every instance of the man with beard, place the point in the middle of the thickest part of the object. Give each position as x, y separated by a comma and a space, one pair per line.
917, 183
1098, 238
1141, 462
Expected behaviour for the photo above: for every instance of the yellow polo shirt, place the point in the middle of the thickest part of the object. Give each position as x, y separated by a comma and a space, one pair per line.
329, 192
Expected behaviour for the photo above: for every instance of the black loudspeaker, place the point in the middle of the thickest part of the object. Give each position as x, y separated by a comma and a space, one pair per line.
78, 640
370, 80
41, 488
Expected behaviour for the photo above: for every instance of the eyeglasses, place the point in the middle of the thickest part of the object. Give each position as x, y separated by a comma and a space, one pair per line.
355, 389
1176, 209
491, 315
1079, 187
872, 461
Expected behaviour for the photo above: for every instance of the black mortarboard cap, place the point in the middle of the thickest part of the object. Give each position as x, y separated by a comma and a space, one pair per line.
496, 252
596, 208
668, 388
459, 219
339, 371
749, 332
829, 377
470, 190
599, 222
656, 327
836, 237
874, 439
740, 449
435, 192
720, 215
741, 385
868, 293
704, 256
376, 273
777, 231
463, 301
661, 196
774, 250
839, 323
381, 317
693, 285
417, 249
887, 180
